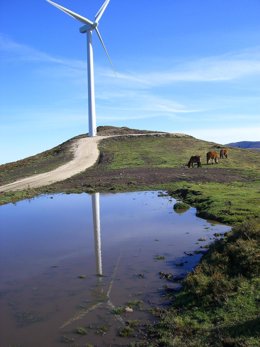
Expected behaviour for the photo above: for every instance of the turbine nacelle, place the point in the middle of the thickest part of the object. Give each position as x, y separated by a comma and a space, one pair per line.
87, 27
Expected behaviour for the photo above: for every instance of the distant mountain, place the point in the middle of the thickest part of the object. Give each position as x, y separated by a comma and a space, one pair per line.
245, 144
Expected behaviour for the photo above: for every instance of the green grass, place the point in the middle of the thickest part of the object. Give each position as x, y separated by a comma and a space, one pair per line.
170, 151
229, 204
13, 197
181, 207
163, 151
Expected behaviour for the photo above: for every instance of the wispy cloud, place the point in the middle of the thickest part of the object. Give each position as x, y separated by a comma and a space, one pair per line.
225, 67
130, 98
220, 68
17, 52
135, 95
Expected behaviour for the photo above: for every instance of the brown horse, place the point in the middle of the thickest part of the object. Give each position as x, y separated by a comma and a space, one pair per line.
223, 153
195, 159
213, 156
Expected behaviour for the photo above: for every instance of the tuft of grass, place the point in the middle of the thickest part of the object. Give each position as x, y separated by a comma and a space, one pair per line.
126, 331
102, 330
118, 310
181, 207
81, 331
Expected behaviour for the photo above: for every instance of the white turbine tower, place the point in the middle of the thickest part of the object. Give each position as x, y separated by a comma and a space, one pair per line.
87, 29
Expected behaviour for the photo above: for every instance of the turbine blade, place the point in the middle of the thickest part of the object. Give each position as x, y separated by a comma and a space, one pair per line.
71, 13
101, 11
102, 43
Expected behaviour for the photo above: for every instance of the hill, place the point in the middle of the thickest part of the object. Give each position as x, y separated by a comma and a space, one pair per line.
212, 309
132, 159
245, 144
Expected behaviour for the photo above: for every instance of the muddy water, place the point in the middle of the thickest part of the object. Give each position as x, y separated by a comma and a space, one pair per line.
68, 265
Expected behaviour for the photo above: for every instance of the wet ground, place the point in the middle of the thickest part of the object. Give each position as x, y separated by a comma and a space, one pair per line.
109, 180
78, 269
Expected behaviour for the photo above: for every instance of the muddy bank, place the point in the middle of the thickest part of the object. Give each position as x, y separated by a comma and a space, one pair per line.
99, 179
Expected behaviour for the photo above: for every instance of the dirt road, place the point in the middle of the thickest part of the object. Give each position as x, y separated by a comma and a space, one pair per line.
85, 155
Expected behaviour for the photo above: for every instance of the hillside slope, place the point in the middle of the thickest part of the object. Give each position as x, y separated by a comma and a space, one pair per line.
245, 144
85, 153
131, 160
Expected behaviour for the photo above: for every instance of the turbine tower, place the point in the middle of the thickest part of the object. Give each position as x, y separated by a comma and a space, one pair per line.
88, 27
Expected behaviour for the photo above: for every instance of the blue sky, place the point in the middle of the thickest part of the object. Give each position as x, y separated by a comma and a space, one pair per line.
190, 66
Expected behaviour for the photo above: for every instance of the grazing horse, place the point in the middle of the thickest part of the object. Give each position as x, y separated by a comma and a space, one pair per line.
213, 156
195, 159
223, 153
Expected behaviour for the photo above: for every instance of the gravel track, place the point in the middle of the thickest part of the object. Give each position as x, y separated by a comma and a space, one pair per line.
86, 154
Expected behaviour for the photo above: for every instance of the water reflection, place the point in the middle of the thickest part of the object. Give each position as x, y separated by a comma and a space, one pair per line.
97, 233
101, 293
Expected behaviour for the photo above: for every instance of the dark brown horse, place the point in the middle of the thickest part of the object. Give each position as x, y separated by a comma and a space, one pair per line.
213, 157
195, 159
223, 153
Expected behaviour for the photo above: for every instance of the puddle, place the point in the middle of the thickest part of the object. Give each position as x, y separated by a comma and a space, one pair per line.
74, 268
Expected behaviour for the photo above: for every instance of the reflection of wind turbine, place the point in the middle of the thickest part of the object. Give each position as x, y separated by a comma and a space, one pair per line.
106, 296
87, 28
96, 224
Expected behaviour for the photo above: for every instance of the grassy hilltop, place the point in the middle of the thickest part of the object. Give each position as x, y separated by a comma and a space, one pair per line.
226, 192
218, 305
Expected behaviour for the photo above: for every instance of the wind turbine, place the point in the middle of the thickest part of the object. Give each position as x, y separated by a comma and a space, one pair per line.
88, 27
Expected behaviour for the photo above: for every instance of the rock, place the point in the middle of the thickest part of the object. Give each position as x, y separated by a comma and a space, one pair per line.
129, 309
167, 276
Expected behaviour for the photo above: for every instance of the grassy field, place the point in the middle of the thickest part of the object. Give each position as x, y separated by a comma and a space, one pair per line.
171, 151
219, 303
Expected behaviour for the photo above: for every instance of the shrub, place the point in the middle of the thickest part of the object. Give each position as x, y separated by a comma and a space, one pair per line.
181, 207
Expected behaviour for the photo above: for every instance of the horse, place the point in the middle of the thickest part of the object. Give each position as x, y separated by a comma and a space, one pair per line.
223, 153
195, 159
213, 156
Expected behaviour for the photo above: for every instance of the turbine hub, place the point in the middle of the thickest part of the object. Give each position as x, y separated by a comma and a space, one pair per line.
85, 28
